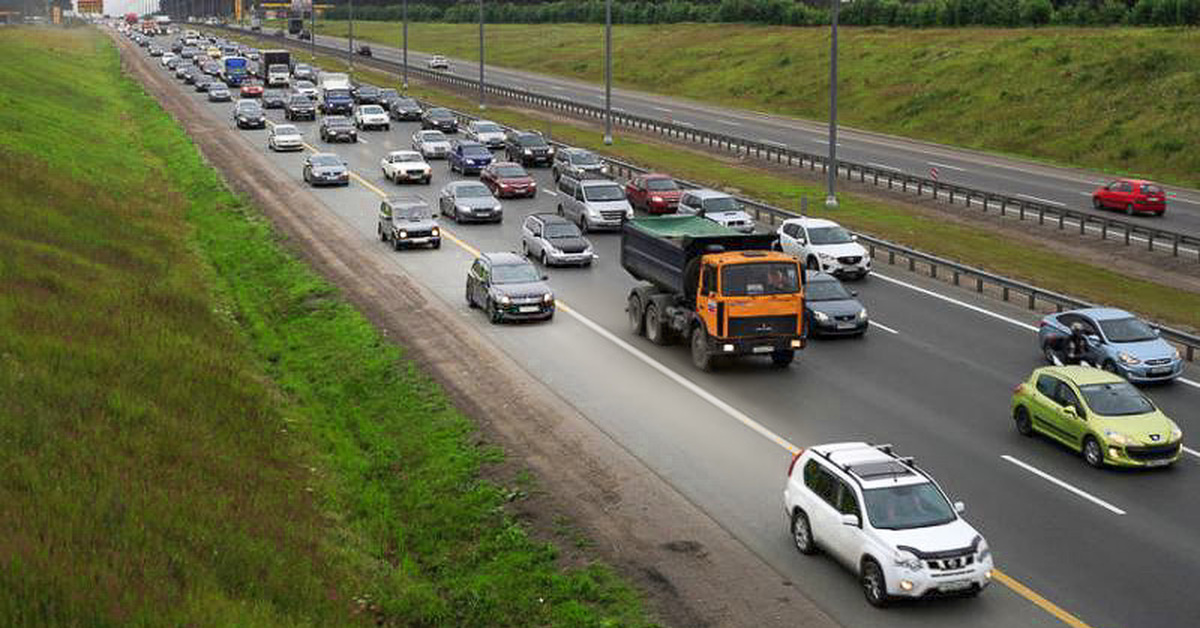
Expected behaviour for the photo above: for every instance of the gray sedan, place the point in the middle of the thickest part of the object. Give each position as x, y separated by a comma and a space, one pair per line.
325, 169
830, 309
469, 201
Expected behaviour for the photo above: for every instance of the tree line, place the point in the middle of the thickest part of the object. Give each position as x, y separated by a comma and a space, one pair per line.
904, 13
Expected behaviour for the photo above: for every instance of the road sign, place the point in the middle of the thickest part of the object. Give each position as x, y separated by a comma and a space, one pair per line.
933, 173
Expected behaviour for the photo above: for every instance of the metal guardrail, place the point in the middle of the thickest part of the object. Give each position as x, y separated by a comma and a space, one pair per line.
936, 267
1108, 228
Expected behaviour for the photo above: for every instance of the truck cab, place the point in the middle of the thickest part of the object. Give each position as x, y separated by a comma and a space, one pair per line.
722, 292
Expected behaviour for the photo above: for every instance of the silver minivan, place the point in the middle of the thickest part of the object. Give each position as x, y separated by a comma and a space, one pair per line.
593, 203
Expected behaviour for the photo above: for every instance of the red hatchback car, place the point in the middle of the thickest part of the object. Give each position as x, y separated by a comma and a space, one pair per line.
654, 193
1131, 196
252, 90
507, 179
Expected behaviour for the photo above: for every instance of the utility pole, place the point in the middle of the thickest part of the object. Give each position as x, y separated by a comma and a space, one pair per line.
404, 81
312, 30
481, 105
608, 139
831, 198
351, 39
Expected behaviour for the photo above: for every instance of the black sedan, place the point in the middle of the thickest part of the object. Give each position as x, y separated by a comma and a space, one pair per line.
830, 309
275, 98
441, 119
338, 129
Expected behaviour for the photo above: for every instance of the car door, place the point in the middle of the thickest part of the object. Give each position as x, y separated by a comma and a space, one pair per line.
845, 541
474, 278
689, 205
529, 232
1073, 427
1098, 348
788, 238
1044, 407
1108, 195
444, 202
633, 190
708, 306
822, 511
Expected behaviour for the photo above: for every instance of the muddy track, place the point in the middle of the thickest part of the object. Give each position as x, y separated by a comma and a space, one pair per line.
692, 571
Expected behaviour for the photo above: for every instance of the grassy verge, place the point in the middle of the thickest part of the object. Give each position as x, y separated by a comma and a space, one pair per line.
175, 448
1039, 265
1121, 100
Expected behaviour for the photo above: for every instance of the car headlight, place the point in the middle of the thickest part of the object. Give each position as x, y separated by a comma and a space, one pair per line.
984, 551
1176, 351
1176, 434
908, 561
629, 213
435, 232
604, 169
1118, 438
821, 316
504, 300
825, 256
1125, 358
528, 152
547, 298
497, 208
862, 314
403, 234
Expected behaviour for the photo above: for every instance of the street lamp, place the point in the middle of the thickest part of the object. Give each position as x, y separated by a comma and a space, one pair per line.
312, 31
351, 38
608, 72
405, 16
831, 198
481, 105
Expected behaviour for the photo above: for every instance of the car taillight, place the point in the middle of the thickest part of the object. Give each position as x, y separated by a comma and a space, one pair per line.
795, 457
1018, 387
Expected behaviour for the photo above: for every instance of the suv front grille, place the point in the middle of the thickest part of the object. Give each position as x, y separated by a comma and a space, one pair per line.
850, 260
1152, 452
615, 214
762, 325
949, 564
1158, 361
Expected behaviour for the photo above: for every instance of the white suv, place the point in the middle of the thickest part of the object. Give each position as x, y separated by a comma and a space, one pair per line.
825, 246
910, 543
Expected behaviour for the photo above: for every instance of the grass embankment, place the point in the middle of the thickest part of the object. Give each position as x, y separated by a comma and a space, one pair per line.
196, 429
1116, 99
1039, 265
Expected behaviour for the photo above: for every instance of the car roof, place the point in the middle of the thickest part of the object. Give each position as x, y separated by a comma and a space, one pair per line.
594, 182
809, 223
1139, 181
496, 164
1082, 375
468, 143
872, 466
323, 155
549, 218
1101, 313
706, 193
462, 184
411, 153
504, 258
572, 150
405, 199
656, 175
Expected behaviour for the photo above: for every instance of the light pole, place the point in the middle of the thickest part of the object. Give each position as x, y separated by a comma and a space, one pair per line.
831, 199
351, 38
312, 31
608, 72
404, 82
481, 105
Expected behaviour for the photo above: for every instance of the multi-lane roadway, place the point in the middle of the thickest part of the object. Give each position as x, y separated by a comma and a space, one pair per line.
1102, 548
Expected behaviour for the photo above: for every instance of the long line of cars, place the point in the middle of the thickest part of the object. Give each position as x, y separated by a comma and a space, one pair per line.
713, 280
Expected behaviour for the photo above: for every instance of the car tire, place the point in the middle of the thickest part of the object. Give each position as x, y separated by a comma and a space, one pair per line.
802, 536
584, 226
1022, 421
873, 583
494, 316
783, 359
637, 322
387, 127
437, 244
1050, 355
396, 246
1093, 454
545, 259
701, 357
382, 234
812, 264
470, 301
428, 180
559, 211
1097, 203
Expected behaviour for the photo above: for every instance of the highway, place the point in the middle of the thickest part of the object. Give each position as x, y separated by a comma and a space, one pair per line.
1117, 550
1061, 187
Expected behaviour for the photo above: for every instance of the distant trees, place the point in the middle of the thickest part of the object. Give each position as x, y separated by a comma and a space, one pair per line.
910, 13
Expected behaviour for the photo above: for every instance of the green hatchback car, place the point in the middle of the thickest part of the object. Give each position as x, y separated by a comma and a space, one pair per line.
1097, 413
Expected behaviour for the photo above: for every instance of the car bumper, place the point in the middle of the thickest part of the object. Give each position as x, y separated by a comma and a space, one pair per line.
662, 208
1145, 374
604, 224
527, 312
765, 345
331, 181
570, 259
433, 241
931, 583
537, 160
341, 137
838, 328
289, 146
840, 270
1149, 456
510, 191
464, 215
412, 176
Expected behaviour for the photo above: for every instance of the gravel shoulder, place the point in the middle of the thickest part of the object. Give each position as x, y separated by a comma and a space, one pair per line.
692, 571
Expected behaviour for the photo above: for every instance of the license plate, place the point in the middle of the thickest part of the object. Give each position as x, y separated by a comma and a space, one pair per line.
845, 326
955, 585
1158, 463
418, 240
528, 309
763, 349
1165, 371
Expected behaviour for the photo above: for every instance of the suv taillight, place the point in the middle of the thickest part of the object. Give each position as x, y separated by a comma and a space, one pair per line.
795, 457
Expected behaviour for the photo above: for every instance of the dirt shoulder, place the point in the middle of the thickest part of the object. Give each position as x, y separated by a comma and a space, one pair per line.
692, 571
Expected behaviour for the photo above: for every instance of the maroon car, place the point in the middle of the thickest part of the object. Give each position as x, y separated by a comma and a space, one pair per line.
252, 89
653, 193
506, 180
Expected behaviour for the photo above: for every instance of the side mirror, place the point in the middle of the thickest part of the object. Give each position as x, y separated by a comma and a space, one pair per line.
1070, 411
545, 277
854, 293
850, 520
960, 507
1157, 332
854, 238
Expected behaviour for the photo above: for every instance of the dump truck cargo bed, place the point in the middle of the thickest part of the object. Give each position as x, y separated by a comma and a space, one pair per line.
659, 250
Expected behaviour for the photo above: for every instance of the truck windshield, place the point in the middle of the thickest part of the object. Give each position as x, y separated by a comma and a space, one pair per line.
741, 280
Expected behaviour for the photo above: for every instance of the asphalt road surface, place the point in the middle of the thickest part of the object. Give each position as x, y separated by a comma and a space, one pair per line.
934, 377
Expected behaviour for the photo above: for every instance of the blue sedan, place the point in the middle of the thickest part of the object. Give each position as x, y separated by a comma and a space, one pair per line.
1117, 342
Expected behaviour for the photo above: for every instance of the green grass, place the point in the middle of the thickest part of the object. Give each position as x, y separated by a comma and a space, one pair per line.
1113, 99
1038, 265
174, 447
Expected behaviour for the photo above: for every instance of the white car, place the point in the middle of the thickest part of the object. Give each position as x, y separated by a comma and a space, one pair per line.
285, 137
718, 207
486, 132
886, 520
824, 245
166, 58
405, 165
438, 62
372, 116
431, 144
307, 88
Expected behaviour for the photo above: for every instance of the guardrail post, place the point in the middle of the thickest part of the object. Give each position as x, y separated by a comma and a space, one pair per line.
979, 284
1004, 293
933, 270
956, 275
1150, 241
1175, 246
912, 264
1041, 215
1083, 220
891, 257
1061, 217
1128, 228
1032, 300
1104, 229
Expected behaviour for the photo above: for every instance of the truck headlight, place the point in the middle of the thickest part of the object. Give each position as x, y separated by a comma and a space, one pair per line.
403, 234
1126, 358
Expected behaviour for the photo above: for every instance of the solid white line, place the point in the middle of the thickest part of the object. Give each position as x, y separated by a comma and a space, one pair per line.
683, 381
884, 327
682, 123
1188, 382
363, 140
1042, 200
1060, 483
731, 123
884, 166
1191, 451
551, 192
772, 143
946, 166
947, 299
660, 108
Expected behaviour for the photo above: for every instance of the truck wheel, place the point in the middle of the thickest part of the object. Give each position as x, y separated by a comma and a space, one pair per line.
637, 324
654, 326
700, 354
382, 234
782, 359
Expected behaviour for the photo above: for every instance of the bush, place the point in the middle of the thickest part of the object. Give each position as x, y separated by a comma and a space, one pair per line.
1036, 12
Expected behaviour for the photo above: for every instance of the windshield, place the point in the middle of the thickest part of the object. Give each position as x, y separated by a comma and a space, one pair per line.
1115, 399
661, 185
407, 157
414, 213
584, 159
825, 291
1127, 330
476, 151
388, 93
405, 102
511, 172
515, 273
337, 93
720, 204
372, 109
249, 107
828, 235
531, 140
278, 67
433, 136
326, 160
1151, 189
304, 84
440, 113
487, 128
336, 121
300, 100
606, 192
367, 89
562, 230
739, 280
904, 507
472, 191
285, 129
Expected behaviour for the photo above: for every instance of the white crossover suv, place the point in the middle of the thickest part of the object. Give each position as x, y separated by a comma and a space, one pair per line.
823, 245
885, 519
